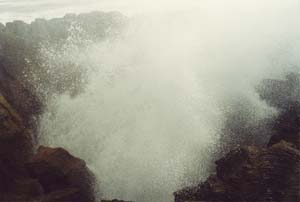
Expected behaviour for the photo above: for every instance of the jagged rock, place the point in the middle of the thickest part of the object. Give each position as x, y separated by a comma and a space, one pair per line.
258, 173
240, 128
56, 169
15, 149
52, 175
15, 139
251, 174
280, 93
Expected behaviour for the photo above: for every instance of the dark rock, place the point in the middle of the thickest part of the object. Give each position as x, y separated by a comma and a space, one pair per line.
63, 195
114, 200
287, 126
15, 139
28, 187
241, 126
56, 169
52, 175
280, 93
13, 87
251, 174
21, 98
257, 173
15, 149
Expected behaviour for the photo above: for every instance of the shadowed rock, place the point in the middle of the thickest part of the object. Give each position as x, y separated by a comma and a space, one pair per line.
15, 138
287, 126
15, 149
51, 175
56, 169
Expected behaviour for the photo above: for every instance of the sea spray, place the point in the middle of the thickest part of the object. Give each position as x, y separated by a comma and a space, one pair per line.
150, 116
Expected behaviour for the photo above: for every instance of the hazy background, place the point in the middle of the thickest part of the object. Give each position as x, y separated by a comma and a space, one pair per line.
30, 9
149, 120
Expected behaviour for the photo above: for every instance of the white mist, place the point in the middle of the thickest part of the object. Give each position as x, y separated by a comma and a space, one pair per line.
150, 117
